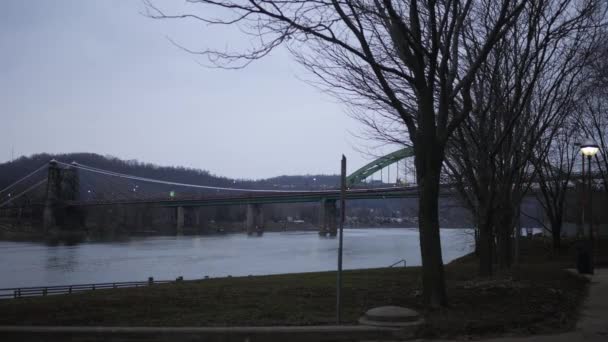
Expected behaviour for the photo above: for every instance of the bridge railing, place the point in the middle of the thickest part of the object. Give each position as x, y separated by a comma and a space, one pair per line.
20, 292
402, 261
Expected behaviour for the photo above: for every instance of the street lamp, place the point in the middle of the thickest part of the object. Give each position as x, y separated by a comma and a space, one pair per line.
589, 149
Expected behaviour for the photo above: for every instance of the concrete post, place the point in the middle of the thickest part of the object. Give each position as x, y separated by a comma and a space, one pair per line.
53, 185
180, 221
255, 219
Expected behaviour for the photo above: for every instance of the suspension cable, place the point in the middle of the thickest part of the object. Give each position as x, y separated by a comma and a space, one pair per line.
24, 178
23, 193
151, 180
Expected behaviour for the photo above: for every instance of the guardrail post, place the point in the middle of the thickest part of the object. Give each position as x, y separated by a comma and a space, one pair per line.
70, 290
15, 294
93, 287
113, 285
44, 291
19, 293
150, 281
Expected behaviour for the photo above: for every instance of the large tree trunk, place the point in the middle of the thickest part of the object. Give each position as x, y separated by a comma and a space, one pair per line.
429, 156
486, 234
504, 245
429, 160
556, 233
503, 234
486, 242
433, 281
476, 232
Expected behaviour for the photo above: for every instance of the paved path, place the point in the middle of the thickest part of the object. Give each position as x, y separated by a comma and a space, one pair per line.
593, 323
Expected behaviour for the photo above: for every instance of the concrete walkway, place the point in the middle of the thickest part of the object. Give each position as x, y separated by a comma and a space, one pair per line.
593, 323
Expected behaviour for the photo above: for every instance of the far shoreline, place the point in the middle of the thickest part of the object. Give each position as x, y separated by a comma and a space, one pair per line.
75, 237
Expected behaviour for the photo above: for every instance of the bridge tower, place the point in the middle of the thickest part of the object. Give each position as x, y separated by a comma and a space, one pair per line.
255, 219
327, 218
62, 185
53, 187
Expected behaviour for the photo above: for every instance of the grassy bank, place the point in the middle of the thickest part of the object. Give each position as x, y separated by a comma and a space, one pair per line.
535, 298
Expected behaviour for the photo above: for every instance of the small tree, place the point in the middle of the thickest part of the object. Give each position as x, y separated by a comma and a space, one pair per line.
521, 94
554, 175
593, 124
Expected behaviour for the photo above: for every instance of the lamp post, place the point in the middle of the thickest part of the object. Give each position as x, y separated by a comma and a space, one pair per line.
589, 149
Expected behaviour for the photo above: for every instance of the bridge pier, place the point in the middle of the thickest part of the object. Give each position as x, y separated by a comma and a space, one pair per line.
255, 219
53, 184
197, 217
179, 229
327, 218
61, 185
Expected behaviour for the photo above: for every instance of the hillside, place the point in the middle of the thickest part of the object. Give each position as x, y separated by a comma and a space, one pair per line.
452, 213
11, 171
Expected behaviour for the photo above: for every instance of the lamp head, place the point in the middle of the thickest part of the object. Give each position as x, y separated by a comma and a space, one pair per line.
589, 148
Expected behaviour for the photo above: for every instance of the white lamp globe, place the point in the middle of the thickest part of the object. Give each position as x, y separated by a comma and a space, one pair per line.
589, 148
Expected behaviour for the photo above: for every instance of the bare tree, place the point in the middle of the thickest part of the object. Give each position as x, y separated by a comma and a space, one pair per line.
520, 95
402, 60
593, 123
398, 59
554, 174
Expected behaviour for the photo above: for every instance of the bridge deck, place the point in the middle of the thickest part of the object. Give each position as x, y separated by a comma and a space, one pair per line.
264, 198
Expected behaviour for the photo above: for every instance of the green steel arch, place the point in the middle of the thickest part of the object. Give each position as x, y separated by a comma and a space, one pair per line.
378, 164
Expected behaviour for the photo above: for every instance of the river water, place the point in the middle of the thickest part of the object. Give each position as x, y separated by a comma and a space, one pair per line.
36, 264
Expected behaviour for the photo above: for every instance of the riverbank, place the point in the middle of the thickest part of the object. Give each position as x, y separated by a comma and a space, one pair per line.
219, 255
532, 299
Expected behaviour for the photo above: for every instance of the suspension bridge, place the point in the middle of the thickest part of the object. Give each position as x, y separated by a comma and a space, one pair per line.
59, 192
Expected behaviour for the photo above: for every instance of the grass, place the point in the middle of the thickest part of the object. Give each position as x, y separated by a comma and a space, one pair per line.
537, 297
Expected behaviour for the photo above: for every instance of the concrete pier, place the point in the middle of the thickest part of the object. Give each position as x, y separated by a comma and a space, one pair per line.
179, 229
197, 218
255, 219
327, 218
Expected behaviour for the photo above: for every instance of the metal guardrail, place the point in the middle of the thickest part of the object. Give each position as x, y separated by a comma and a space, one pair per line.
399, 262
20, 292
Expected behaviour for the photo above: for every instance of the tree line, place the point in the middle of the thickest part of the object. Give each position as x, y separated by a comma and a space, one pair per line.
14, 170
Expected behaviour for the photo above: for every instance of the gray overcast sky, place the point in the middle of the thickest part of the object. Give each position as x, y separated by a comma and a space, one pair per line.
97, 76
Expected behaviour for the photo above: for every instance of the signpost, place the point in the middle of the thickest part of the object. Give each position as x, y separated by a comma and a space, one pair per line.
340, 238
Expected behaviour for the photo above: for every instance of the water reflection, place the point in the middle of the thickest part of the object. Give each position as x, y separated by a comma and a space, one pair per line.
62, 259
33, 264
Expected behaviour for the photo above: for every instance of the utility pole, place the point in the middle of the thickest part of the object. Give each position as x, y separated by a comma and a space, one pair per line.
340, 238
